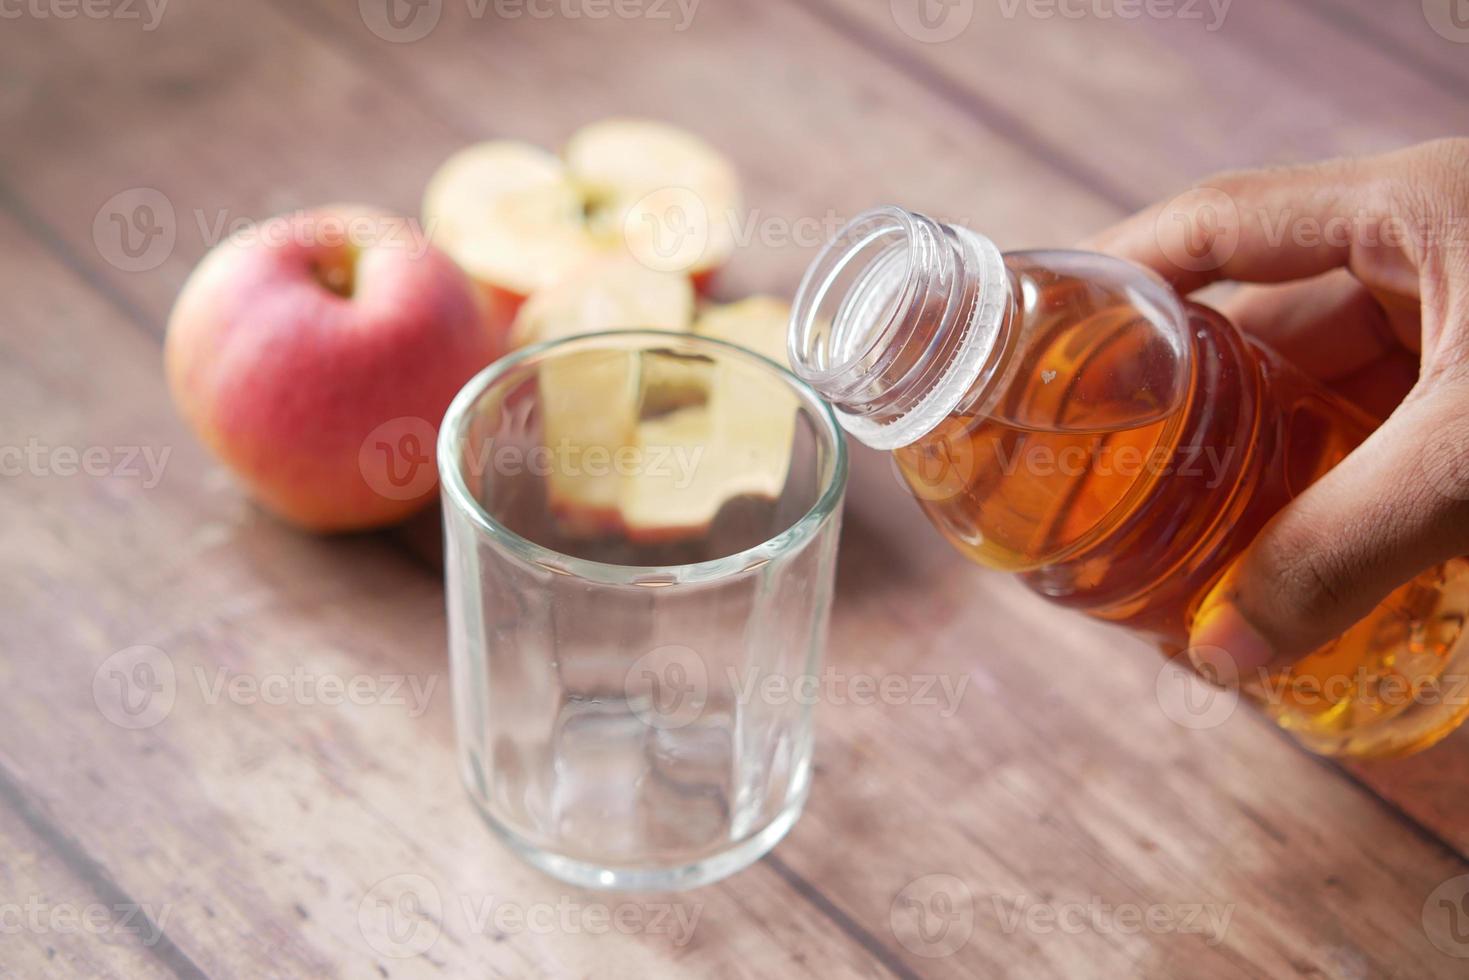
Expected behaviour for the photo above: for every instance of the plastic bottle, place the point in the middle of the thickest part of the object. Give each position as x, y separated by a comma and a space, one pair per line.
1069, 417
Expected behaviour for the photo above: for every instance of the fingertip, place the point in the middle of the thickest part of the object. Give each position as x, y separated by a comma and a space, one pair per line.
1128, 239
1136, 240
1224, 645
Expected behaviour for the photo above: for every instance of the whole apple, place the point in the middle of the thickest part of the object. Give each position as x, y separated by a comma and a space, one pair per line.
316, 354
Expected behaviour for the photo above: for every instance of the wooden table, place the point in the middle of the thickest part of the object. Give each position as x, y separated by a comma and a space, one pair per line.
1056, 824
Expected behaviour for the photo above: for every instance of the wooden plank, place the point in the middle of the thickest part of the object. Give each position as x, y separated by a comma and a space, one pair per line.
1428, 786
1347, 86
59, 921
1246, 106
1147, 106
1429, 36
1118, 105
1062, 776
288, 821
276, 821
1036, 792
384, 123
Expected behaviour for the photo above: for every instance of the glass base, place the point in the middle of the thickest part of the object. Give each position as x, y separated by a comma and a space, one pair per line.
643, 878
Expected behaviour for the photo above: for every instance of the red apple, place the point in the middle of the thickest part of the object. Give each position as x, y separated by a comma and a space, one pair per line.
315, 356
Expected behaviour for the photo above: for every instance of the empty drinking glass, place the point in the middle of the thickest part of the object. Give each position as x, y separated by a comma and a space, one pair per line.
640, 535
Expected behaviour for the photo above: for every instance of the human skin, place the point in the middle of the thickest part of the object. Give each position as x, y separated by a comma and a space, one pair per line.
1357, 270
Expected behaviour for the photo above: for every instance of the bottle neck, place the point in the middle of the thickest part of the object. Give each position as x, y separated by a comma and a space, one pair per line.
899, 321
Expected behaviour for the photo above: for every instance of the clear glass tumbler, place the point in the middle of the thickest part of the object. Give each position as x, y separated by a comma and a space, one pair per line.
640, 539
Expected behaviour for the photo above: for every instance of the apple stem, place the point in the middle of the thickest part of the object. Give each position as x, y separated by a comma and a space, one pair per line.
335, 277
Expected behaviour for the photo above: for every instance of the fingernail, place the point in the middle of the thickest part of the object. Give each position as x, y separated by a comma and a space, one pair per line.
1225, 646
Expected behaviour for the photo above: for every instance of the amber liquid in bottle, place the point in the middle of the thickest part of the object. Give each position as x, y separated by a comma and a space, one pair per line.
1121, 490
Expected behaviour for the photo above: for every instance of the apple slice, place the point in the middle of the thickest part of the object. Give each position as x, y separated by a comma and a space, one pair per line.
512, 216
609, 292
738, 443
590, 401
757, 323
663, 193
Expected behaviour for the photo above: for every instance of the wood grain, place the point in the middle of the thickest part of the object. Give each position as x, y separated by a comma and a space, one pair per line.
1435, 48
1055, 779
1153, 104
78, 924
243, 816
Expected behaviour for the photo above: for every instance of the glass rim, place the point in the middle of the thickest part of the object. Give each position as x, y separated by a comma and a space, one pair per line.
791, 538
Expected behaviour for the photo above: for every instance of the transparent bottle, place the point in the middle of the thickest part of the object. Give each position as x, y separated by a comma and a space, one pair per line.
1069, 417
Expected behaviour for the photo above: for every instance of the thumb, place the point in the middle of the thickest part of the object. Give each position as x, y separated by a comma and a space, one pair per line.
1395, 507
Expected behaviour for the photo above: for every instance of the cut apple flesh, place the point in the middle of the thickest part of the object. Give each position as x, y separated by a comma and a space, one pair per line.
757, 323
589, 403
736, 443
666, 195
607, 293
510, 214
590, 400
519, 218
670, 380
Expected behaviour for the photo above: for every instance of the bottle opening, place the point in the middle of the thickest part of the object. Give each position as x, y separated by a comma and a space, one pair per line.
896, 320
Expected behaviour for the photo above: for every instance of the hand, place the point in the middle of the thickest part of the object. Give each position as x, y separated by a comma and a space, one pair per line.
1373, 255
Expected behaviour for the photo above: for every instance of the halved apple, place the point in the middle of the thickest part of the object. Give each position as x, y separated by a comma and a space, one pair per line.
736, 443
590, 401
663, 193
510, 214
519, 218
